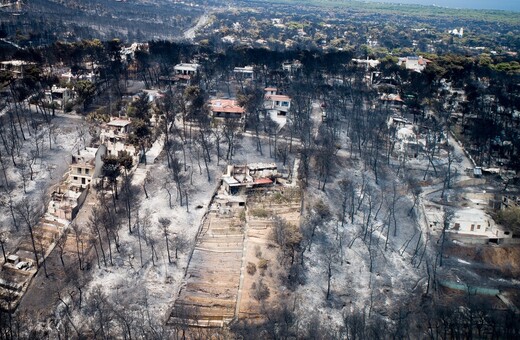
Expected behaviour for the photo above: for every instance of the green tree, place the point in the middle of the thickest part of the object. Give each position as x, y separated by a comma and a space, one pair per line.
140, 108
111, 170
86, 91
510, 218
140, 137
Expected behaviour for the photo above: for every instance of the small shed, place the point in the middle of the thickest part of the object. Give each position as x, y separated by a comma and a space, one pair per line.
13, 259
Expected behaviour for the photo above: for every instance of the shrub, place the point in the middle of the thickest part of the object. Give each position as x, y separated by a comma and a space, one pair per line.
251, 268
263, 263
259, 212
258, 252
68, 107
260, 290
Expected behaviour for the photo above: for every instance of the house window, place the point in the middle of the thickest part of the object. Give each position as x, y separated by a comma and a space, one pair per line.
472, 227
79, 171
75, 178
87, 171
457, 226
478, 226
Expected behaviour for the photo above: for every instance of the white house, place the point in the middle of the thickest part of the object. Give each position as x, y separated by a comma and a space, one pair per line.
59, 95
417, 64
456, 32
279, 103
17, 68
114, 135
476, 222
291, 66
408, 142
244, 177
368, 62
244, 73
66, 201
186, 69
86, 166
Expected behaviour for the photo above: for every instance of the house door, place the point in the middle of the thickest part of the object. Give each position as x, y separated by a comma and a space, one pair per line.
83, 180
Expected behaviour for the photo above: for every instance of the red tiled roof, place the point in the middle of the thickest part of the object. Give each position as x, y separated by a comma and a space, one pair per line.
278, 97
183, 76
225, 105
424, 61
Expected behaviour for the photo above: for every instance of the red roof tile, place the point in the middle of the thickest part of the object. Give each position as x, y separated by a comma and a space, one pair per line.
225, 105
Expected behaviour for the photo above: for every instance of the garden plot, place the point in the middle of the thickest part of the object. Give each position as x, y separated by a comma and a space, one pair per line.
234, 268
260, 276
212, 279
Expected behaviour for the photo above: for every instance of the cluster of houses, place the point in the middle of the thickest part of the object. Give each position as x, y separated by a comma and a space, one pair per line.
85, 170
274, 104
58, 96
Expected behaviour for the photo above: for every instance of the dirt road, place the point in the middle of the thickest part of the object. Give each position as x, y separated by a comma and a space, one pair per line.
190, 33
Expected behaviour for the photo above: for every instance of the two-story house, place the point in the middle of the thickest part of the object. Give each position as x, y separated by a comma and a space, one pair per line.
277, 102
17, 68
244, 73
86, 166
59, 95
114, 136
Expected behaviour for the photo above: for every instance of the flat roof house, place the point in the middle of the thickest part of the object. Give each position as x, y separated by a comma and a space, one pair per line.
114, 135
59, 95
86, 166
186, 69
473, 222
17, 68
244, 177
244, 73
414, 63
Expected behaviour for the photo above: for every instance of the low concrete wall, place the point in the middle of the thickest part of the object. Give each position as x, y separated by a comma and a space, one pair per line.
470, 240
482, 240
469, 182
510, 241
